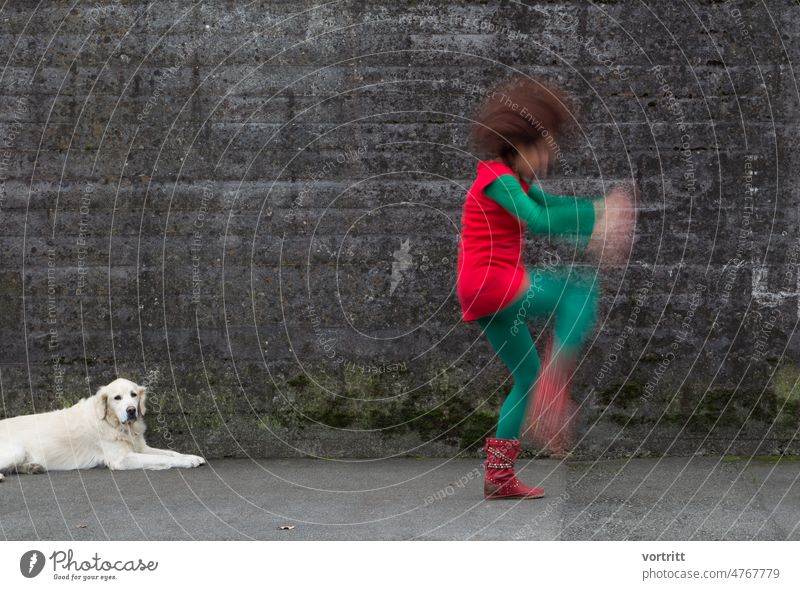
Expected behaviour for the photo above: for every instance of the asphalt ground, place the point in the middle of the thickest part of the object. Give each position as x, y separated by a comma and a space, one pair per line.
692, 498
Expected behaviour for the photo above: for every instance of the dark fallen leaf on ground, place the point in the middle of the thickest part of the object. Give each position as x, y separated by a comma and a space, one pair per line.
81, 526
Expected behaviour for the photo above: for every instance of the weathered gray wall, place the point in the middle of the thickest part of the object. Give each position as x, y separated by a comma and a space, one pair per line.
254, 209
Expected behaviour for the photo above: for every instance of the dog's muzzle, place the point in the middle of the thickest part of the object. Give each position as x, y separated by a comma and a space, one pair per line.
131, 414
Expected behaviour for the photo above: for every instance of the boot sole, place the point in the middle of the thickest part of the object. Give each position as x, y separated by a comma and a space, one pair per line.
511, 497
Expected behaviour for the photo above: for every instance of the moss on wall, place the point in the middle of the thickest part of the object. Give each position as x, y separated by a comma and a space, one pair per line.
435, 406
786, 388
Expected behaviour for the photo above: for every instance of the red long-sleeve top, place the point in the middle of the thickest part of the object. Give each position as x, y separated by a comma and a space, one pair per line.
490, 268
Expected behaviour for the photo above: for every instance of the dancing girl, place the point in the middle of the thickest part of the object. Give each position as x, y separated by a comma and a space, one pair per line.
517, 128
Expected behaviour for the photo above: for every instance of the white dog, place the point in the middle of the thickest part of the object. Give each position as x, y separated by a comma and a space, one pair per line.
104, 429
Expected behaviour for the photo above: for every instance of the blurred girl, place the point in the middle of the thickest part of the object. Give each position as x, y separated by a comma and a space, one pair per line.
518, 127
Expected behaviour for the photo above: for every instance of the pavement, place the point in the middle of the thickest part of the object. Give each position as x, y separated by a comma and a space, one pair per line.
675, 498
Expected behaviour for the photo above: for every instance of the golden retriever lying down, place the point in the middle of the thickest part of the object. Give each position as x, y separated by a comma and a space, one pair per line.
104, 429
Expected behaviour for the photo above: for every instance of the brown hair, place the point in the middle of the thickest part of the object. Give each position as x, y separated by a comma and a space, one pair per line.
519, 112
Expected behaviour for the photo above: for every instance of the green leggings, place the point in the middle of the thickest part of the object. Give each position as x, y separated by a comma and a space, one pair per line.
566, 292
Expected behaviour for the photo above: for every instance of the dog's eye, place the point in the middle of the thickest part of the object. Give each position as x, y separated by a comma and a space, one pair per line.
133, 394
117, 397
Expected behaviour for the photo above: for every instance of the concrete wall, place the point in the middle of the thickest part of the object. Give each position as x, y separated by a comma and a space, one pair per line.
254, 209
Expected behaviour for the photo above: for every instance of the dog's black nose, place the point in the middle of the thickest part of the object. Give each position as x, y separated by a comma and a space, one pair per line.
131, 412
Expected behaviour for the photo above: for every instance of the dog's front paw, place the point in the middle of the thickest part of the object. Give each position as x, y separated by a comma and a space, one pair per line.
192, 461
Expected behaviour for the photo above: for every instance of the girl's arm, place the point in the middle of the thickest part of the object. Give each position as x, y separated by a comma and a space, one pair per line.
573, 217
546, 199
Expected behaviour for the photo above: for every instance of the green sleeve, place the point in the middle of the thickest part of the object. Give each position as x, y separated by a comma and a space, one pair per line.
535, 192
547, 200
571, 218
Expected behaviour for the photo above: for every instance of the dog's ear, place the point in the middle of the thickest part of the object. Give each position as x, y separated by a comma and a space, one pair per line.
101, 403
142, 393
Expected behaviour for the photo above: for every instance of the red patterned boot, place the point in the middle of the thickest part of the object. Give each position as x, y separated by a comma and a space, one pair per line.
550, 420
500, 481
